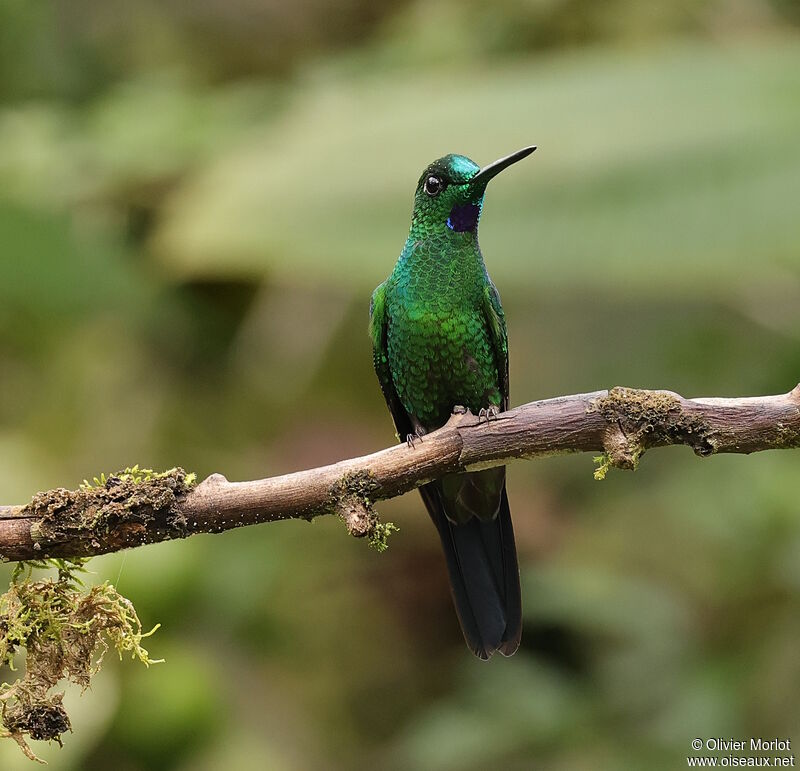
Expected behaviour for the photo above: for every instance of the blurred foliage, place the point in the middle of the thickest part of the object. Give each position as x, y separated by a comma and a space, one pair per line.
195, 203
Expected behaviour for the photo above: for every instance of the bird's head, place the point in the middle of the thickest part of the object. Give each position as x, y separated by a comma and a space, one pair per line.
450, 192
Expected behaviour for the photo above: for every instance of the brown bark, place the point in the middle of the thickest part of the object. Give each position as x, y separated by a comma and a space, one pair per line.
622, 423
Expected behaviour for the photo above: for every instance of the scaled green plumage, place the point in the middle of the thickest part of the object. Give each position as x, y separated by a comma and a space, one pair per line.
439, 340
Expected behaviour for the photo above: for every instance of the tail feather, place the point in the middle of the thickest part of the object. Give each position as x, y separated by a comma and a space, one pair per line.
484, 575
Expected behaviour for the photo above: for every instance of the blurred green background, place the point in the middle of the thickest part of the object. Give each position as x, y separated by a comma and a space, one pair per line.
196, 201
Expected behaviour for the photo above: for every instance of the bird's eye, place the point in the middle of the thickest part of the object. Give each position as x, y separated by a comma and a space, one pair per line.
433, 186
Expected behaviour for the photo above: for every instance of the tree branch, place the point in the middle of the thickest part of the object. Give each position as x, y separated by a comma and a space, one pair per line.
621, 423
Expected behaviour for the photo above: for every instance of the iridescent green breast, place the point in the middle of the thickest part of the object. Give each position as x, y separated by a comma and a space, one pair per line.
438, 344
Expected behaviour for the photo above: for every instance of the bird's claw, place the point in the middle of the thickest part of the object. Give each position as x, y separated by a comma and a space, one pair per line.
490, 413
411, 439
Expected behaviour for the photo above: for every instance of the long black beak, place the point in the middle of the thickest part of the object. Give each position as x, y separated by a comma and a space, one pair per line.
493, 169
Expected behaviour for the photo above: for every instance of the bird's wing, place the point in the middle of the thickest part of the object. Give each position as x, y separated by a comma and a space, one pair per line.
378, 323
496, 324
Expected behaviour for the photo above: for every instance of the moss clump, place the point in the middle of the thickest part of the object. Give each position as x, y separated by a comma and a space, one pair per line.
361, 485
65, 629
138, 475
652, 418
362, 521
604, 464
380, 534
351, 499
126, 508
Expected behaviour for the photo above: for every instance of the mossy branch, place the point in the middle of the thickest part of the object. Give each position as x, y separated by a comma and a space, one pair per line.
125, 511
65, 628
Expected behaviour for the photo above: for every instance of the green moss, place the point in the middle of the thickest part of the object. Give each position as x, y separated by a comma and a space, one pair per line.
603, 463
361, 484
351, 500
137, 475
380, 534
115, 511
652, 418
65, 629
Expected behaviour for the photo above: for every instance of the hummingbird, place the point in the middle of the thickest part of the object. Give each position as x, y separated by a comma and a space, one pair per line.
440, 345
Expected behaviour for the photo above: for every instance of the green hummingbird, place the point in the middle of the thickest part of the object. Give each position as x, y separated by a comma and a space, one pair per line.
439, 344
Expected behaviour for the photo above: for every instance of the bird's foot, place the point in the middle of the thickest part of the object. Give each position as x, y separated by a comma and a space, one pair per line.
411, 439
490, 413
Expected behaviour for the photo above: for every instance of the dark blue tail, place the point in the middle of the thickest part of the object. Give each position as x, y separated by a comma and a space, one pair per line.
481, 558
